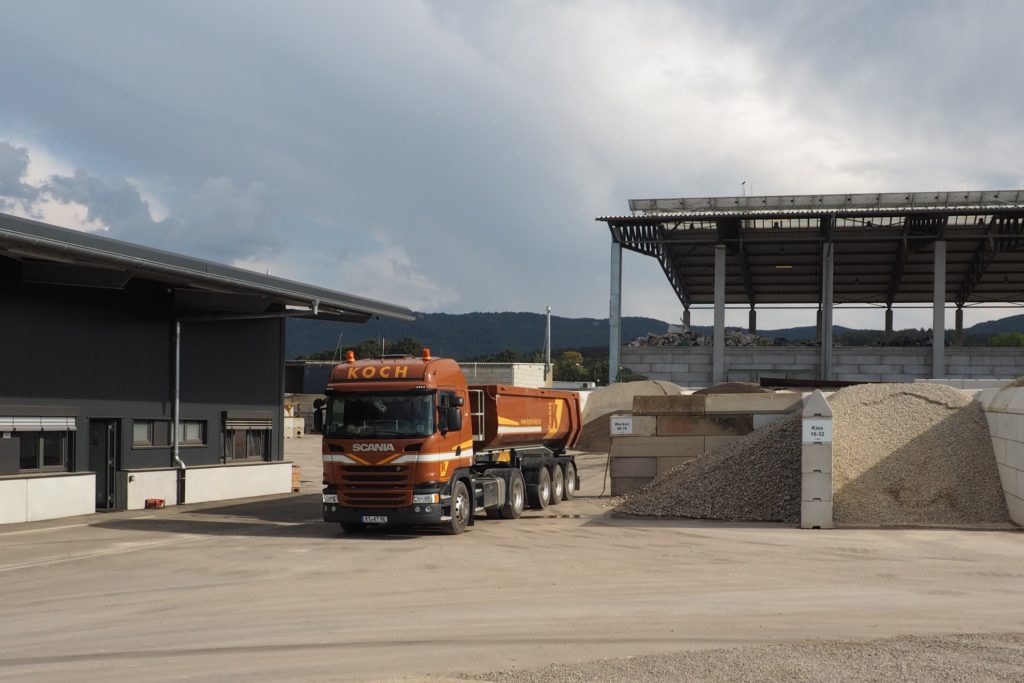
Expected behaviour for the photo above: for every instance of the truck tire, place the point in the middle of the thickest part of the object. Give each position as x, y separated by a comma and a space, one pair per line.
460, 508
570, 481
352, 527
557, 484
516, 499
539, 494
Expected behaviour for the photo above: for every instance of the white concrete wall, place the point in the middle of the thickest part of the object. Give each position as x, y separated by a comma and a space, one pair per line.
1005, 412
139, 485
38, 497
225, 482
514, 374
691, 365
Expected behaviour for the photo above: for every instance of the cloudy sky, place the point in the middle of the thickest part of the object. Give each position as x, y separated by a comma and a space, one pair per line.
452, 156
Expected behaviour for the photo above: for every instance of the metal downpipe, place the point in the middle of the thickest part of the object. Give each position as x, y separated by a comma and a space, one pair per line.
176, 418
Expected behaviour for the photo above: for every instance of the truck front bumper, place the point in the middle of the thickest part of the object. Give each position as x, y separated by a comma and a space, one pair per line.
411, 516
417, 514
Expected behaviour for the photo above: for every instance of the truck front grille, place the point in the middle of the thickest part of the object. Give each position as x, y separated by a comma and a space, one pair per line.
375, 486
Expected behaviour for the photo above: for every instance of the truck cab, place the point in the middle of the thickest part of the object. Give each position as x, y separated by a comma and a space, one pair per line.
399, 447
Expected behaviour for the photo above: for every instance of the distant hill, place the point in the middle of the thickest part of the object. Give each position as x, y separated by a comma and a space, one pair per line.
467, 335
1013, 323
471, 335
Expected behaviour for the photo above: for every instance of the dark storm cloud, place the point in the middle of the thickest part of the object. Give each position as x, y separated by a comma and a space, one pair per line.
452, 155
218, 220
13, 167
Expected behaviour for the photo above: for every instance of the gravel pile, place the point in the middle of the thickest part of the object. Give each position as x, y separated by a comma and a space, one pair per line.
904, 454
752, 479
913, 454
966, 657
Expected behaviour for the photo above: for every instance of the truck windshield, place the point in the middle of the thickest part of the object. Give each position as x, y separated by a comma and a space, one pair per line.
385, 415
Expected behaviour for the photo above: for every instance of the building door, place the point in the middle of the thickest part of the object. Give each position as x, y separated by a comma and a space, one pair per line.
104, 454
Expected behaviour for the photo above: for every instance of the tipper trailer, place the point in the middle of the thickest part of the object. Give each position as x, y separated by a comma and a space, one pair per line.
406, 441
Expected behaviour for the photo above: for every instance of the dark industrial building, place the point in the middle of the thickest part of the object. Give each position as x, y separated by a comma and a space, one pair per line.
107, 346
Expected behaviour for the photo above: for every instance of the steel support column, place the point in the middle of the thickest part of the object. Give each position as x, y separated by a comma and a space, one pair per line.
959, 326
939, 311
615, 313
718, 345
826, 309
752, 320
888, 322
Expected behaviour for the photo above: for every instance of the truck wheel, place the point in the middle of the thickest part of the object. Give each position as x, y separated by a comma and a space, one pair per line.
557, 484
353, 527
516, 501
459, 510
570, 482
540, 493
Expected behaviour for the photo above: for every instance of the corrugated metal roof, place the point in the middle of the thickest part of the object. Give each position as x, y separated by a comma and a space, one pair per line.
883, 245
101, 261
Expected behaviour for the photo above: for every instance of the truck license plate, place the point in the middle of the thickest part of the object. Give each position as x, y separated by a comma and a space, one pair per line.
375, 519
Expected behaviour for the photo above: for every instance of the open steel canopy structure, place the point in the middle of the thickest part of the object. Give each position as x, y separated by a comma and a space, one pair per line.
39, 253
882, 248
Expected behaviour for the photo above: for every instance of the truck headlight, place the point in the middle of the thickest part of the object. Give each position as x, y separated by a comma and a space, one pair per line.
330, 497
423, 498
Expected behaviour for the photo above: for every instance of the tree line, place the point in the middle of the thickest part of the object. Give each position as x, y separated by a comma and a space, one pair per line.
588, 365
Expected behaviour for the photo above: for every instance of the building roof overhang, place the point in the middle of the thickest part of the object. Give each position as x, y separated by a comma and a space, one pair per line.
34, 253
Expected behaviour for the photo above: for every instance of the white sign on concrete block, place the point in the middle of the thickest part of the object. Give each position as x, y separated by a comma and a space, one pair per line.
816, 464
817, 430
622, 426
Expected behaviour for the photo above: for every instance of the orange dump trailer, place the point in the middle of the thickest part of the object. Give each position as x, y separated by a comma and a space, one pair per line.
506, 416
406, 441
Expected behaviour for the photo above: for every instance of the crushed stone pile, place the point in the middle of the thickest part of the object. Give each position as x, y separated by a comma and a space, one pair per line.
904, 455
752, 479
913, 454
687, 337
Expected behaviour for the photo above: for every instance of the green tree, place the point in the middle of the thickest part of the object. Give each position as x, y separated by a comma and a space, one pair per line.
569, 368
406, 345
1006, 339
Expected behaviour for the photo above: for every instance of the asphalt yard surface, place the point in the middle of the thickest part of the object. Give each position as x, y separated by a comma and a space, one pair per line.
264, 590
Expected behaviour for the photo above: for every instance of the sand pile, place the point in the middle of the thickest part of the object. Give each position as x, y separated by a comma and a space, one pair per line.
612, 400
904, 454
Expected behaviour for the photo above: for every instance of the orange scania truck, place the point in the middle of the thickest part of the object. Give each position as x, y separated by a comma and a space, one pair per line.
407, 442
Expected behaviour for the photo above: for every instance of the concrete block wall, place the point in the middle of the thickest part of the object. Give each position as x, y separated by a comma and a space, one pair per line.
225, 482
514, 374
691, 366
134, 487
1004, 409
37, 497
668, 431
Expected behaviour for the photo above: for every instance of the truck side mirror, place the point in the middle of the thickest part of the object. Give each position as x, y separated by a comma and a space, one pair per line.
454, 419
318, 415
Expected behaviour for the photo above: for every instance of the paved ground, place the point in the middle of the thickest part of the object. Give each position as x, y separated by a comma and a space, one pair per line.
264, 590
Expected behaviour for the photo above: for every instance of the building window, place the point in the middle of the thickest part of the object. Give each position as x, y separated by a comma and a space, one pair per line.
247, 444
247, 436
43, 451
143, 433
192, 432
157, 433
